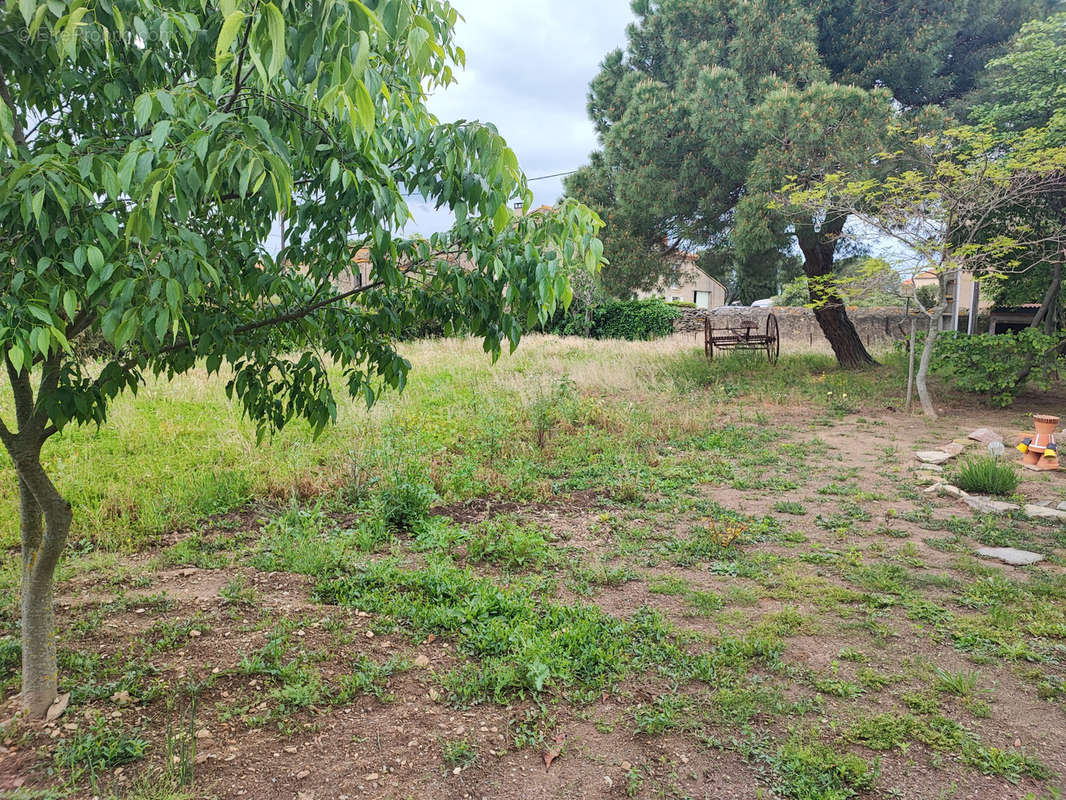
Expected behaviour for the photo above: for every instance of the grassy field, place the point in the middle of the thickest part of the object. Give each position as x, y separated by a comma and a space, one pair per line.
592, 570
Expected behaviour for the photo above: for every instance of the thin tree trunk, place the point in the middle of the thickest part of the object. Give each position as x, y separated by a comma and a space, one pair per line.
910, 364
1045, 315
819, 249
921, 380
38, 623
44, 518
1051, 320
41, 549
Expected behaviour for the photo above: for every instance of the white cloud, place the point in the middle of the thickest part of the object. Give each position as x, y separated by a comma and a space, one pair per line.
528, 69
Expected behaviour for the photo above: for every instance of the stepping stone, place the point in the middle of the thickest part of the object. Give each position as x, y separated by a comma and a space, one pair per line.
1043, 512
932, 456
954, 491
1009, 555
986, 505
986, 435
953, 448
930, 468
1062, 506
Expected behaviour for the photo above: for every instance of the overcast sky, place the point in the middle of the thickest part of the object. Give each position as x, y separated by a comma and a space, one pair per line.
528, 67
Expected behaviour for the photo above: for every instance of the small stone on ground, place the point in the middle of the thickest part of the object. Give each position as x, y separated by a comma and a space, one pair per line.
986, 435
1009, 555
986, 505
932, 456
1043, 512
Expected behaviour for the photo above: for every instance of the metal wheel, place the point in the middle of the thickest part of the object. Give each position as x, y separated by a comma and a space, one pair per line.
708, 340
773, 339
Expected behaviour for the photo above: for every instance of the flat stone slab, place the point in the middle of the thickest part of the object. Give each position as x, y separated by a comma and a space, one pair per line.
986, 505
1062, 506
986, 435
953, 448
932, 456
1009, 555
1043, 512
933, 468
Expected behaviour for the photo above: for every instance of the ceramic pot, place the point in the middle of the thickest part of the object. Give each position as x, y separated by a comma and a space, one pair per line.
1045, 435
1045, 429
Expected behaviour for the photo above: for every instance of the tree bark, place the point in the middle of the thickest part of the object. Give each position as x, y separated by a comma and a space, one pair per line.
44, 524
921, 380
41, 549
1048, 313
910, 364
819, 250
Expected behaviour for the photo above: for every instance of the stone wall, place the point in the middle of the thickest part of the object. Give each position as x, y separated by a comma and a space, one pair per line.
879, 328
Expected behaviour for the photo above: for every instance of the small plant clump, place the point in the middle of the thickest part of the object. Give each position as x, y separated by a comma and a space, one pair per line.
101, 747
986, 475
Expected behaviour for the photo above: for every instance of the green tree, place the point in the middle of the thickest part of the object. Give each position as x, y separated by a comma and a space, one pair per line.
145, 150
1024, 88
748, 277
860, 281
714, 102
1021, 90
948, 199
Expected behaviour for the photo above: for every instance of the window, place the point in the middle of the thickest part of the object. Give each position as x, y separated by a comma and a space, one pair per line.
702, 299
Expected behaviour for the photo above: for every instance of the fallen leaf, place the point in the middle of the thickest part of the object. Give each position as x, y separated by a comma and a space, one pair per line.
554, 752
59, 705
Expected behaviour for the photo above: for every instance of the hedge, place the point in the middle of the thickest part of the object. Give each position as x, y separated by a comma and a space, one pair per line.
618, 319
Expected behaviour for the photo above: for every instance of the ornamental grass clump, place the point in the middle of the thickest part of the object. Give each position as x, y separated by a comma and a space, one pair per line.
986, 475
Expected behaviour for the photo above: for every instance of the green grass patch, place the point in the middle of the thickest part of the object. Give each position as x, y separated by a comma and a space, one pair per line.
986, 475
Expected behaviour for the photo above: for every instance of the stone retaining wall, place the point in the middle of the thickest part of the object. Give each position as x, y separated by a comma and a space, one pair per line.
879, 328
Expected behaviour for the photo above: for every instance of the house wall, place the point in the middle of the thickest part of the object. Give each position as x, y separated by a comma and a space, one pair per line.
690, 280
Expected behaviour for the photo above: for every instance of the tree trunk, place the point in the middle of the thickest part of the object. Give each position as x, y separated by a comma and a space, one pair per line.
41, 548
44, 524
843, 338
819, 249
910, 364
921, 380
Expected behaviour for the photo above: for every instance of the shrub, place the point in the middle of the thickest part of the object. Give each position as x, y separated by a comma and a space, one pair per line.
986, 475
618, 319
405, 501
992, 363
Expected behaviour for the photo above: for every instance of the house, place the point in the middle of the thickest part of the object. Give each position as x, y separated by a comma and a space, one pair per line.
690, 285
963, 292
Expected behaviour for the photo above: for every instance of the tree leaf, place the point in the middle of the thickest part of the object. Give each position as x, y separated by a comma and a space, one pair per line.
362, 56
70, 303
226, 36
95, 257
501, 218
174, 294
365, 106
15, 356
37, 204
276, 26
160, 133
142, 109
28, 9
